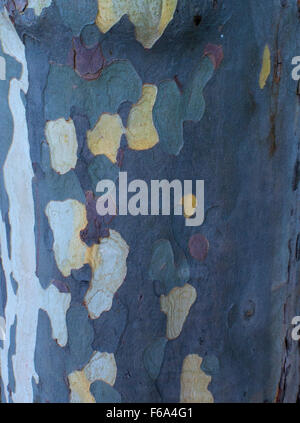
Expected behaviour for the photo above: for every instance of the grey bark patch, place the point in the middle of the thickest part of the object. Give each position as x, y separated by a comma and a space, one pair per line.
153, 357
90, 35
3, 291
232, 316
77, 14
80, 338
38, 69
167, 114
11, 352
110, 327
82, 275
61, 286
117, 83
163, 268
49, 29
78, 290
8, 233
50, 365
124, 111
82, 125
102, 168
14, 284
210, 365
2, 396
175, 104
104, 393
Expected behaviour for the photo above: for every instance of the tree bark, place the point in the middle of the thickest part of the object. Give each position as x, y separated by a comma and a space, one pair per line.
149, 308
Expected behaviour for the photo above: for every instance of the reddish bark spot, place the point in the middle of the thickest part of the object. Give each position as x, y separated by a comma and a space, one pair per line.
97, 226
15, 6
215, 53
61, 286
120, 157
198, 246
178, 83
87, 62
21, 5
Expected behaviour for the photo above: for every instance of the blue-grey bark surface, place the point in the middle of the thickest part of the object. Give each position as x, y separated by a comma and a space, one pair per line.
145, 308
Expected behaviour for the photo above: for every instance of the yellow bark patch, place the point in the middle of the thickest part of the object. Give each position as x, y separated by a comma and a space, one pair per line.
194, 382
80, 388
167, 13
141, 133
176, 305
62, 140
106, 136
107, 16
266, 68
150, 18
102, 366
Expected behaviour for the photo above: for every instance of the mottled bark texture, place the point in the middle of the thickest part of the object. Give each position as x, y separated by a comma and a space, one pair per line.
145, 308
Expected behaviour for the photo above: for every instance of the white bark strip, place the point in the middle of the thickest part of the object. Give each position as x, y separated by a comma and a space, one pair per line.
30, 297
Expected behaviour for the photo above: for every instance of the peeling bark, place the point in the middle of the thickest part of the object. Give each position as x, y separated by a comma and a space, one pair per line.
149, 308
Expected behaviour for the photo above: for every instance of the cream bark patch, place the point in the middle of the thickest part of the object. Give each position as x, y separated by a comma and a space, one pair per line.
106, 136
176, 305
108, 263
107, 259
57, 304
38, 5
62, 140
194, 382
102, 366
149, 18
141, 133
67, 219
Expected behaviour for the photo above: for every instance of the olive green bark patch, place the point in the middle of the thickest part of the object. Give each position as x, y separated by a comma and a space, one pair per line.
174, 105
153, 357
117, 83
164, 269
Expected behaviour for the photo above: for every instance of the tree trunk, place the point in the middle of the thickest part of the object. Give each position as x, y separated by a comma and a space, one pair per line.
148, 307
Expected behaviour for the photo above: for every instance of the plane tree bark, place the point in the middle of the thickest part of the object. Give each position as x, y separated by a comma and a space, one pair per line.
149, 308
